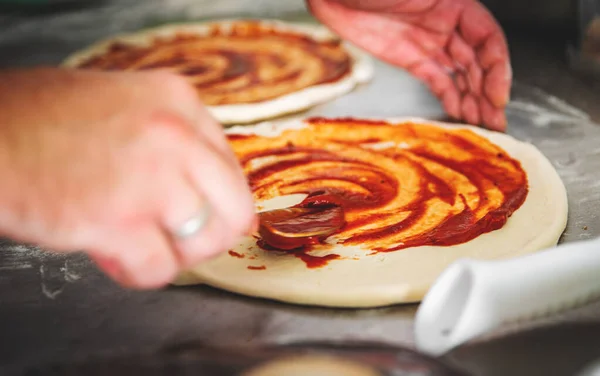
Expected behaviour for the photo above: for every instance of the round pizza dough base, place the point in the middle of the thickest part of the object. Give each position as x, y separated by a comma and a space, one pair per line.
361, 72
396, 277
313, 365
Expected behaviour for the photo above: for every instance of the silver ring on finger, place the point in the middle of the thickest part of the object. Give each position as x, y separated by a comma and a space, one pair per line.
193, 224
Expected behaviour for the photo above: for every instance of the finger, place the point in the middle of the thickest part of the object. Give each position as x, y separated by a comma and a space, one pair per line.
461, 83
440, 84
479, 29
199, 119
110, 266
212, 131
143, 256
438, 77
493, 58
497, 84
182, 202
149, 261
462, 57
492, 117
476, 23
226, 191
445, 61
188, 142
475, 79
429, 42
432, 75
451, 102
465, 56
385, 38
210, 241
470, 109
492, 50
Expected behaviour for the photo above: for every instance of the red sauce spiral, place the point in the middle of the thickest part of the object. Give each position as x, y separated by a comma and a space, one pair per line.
244, 62
400, 186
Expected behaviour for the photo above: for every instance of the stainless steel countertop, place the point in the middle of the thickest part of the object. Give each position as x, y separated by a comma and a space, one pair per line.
56, 307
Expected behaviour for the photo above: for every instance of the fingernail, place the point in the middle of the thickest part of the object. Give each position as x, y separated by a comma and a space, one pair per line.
502, 125
498, 125
500, 102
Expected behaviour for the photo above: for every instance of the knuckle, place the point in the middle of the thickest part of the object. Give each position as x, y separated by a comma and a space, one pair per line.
203, 248
167, 130
175, 86
152, 270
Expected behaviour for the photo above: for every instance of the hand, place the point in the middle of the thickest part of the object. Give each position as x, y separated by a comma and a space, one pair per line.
111, 163
454, 46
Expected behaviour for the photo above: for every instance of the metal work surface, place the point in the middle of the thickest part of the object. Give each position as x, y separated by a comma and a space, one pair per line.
56, 308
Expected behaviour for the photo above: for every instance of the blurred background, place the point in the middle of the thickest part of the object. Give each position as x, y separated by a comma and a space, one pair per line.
547, 37
533, 14
555, 50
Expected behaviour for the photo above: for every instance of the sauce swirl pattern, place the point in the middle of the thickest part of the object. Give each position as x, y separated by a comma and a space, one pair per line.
400, 186
245, 62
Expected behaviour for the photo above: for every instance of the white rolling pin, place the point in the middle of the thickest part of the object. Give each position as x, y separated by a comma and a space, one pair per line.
473, 297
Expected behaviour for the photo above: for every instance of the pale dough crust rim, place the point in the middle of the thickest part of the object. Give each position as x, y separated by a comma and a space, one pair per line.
361, 72
537, 225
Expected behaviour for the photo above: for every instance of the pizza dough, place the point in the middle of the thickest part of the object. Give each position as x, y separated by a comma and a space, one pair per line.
314, 365
357, 276
244, 71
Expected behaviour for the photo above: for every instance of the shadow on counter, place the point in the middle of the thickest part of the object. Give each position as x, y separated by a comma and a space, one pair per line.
569, 350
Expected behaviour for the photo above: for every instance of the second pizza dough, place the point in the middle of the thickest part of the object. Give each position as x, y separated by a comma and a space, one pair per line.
244, 70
